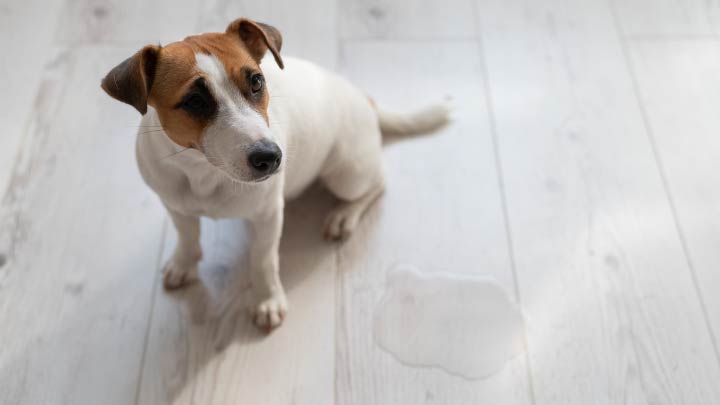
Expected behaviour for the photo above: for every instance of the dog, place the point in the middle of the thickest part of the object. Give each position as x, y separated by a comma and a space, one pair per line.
212, 143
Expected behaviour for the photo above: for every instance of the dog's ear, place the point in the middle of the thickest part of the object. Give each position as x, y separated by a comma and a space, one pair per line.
131, 80
258, 38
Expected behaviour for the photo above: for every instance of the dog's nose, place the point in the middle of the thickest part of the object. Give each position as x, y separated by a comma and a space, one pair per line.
265, 157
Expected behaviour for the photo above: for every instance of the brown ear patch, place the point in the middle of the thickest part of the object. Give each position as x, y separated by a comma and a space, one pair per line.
131, 80
258, 38
273, 35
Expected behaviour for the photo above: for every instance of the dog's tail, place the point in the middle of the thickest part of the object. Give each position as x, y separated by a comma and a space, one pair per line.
421, 121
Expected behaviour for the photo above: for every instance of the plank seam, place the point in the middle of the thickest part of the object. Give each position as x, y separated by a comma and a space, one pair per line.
485, 78
158, 264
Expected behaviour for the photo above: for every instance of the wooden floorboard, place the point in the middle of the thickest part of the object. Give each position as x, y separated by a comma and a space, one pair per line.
80, 233
613, 312
679, 84
660, 19
414, 20
309, 28
126, 21
21, 70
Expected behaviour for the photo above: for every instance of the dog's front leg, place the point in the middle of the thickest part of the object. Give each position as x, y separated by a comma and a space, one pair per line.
268, 304
182, 266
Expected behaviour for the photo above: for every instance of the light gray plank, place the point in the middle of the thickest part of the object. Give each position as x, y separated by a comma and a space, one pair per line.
441, 213
309, 28
202, 347
680, 88
614, 316
24, 26
668, 17
127, 21
423, 19
81, 235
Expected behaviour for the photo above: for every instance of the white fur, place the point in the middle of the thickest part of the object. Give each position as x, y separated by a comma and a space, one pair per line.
237, 126
326, 129
425, 120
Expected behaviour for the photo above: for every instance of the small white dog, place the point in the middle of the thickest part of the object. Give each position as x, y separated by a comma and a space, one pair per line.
213, 145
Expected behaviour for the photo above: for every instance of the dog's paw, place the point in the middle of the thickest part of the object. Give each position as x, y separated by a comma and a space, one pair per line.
176, 274
341, 222
269, 313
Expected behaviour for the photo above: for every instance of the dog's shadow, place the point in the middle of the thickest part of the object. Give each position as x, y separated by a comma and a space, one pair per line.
196, 324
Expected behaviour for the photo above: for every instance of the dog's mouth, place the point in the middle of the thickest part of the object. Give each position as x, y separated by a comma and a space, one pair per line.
238, 178
266, 176
261, 179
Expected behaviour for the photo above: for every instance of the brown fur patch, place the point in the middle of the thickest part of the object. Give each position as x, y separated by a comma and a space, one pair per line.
177, 71
163, 76
131, 80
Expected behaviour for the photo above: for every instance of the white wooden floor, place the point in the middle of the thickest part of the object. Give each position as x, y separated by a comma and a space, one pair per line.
581, 172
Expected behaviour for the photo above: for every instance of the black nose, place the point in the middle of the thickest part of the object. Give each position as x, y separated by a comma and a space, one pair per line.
265, 157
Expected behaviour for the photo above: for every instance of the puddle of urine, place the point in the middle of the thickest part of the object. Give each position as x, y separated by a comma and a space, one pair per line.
466, 325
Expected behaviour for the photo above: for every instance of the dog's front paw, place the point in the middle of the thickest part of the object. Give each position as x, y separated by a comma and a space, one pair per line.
177, 273
341, 222
269, 312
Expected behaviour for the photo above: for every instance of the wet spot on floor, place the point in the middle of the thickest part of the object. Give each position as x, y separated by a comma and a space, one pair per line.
466, 325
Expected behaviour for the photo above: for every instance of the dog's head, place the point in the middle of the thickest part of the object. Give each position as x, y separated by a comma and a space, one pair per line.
209, 93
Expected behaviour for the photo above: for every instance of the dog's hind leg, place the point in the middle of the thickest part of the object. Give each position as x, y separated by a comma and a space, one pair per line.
343, 220
358, 187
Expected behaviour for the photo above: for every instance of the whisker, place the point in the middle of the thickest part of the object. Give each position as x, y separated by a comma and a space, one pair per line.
150, 131
172, 154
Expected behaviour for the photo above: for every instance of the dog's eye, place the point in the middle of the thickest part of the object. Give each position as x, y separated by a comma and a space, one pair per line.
199, 105
199, 102
256, 83
195, 102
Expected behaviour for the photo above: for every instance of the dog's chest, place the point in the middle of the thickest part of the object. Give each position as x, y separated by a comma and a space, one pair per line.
204, 191
211, 198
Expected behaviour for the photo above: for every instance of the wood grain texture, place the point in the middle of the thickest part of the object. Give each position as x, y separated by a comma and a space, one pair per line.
669, 18
20, 69
136, 22
419, 20
80, 233
614, 316
679, 84
309, 28
438, 185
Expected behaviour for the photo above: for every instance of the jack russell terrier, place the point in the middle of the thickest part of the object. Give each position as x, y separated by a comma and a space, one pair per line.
218, 147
